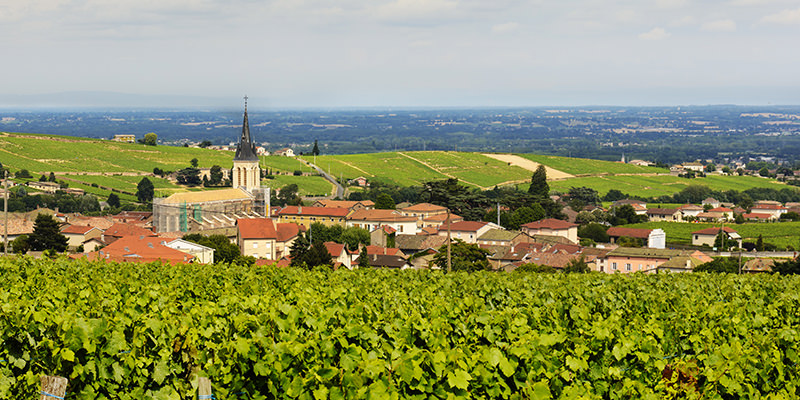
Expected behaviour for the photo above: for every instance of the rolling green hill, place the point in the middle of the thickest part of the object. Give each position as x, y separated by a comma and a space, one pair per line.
72, 158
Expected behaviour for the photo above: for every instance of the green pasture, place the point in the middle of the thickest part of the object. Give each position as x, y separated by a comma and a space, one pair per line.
40, 154
582, 166
285, 164
127, 183
781, 234
659, 185
307, 185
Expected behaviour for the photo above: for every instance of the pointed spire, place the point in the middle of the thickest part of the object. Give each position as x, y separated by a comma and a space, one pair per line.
246, 150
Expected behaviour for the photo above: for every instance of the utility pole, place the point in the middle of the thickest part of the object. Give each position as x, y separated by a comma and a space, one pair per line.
498, 214
449, 251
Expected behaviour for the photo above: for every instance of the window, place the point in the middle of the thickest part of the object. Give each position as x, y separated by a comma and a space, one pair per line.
640, 267
255, 245
627, 266
614, 266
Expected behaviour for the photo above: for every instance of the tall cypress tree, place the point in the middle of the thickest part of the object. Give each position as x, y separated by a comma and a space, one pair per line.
46, 235
315, 150
539, 186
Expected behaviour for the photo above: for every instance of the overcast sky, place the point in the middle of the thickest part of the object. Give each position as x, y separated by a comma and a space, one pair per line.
312, 53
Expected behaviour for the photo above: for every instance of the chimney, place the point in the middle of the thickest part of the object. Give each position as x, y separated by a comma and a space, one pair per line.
300, 209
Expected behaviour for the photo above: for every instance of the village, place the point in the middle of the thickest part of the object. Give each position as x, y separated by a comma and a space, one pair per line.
399, 236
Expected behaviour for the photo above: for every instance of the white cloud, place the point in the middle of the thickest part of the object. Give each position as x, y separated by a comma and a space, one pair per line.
783, 17
505, 27
670, 3
656, 33
410, 9
722, 25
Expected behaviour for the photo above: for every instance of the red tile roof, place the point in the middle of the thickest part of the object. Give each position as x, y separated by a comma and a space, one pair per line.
256, 228
756, 216
662, 211
464, 226
616, 231
137, 249
76, 229
713, 231
119, 230
721, 209
424, 207
345, 203
768, 207
388, 251
550, 223
287, 232
379, 215
315, 211
334, 249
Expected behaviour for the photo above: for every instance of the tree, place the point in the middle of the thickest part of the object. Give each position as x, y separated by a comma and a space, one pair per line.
287, 196
194, 162
20, 245
625, 214
577, 265
224, 250
150, 139
52, 177
23, 174
46, 234
763, 171
189, 176
710, 167
614, 195
145, 191
719, 265
594, 231
215, 175
88, 203
354, 237
585, 195
42, 178
309, 256
760, 243
363, 258
464, 257
539, 187
205, 143
315, 150
790, 267
723, 241
384, 202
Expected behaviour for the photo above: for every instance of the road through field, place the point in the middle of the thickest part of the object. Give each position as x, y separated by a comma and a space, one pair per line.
529, 165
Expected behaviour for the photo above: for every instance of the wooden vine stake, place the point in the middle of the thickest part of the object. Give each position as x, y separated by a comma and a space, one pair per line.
53, 386
204, 388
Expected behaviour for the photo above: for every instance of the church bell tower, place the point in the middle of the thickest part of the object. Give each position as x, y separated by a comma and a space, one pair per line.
246, 173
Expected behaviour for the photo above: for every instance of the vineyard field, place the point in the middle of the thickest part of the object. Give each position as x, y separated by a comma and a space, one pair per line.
146, 331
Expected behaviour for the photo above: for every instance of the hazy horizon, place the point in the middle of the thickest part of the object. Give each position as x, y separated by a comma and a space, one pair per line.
403, 53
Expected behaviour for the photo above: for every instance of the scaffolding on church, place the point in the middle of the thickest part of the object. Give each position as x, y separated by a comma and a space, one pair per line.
184, 218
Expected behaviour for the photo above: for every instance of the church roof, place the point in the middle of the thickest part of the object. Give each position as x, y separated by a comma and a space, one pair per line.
246, 150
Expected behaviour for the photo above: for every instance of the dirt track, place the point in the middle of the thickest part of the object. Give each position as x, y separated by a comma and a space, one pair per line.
529, 165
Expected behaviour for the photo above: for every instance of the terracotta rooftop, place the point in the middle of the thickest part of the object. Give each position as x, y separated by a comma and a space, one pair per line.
77, 229
424, 207
315, 211
768, 207
721, 210
464, 226
616, 231
550, 223
334, 249
137, 249
119, 230
443, 218
345, 203
256, 228
756, 216
662, 211
379, 215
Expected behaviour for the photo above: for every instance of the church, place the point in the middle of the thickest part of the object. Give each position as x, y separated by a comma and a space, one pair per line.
214, 209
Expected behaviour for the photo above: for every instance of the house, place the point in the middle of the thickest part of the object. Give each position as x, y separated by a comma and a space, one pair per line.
706, 237
373, 219
631, 259
726, 212
383, 236
468, 231
639, 207
552, 227
413, 244
693, 166
439, 221
712, 202
139, 218
350, 205
758, 217
142, 249
75, 191
664, 214
690, 210
775, 210
286, 152
758, 265
386, 261
119, 230
125, 138
709, 216
502, 237
305, 216
47, 187
641, 163
360, 181
263, 238
423, 210
616, 232
339, 255
202, 254
77, 235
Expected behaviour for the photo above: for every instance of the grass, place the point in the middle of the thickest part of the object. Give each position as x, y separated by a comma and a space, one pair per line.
654, 186
284, 164
307, 185
42, 154
581, 166
781, 234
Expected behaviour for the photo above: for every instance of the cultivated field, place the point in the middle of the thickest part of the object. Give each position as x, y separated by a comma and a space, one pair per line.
781, 234
307, 185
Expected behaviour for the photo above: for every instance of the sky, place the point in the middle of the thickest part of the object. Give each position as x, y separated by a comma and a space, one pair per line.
407, 53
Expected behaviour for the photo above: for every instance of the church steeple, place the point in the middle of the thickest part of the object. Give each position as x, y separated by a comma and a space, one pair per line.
246, 150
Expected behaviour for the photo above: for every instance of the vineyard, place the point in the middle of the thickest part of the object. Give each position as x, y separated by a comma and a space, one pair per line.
123, 331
